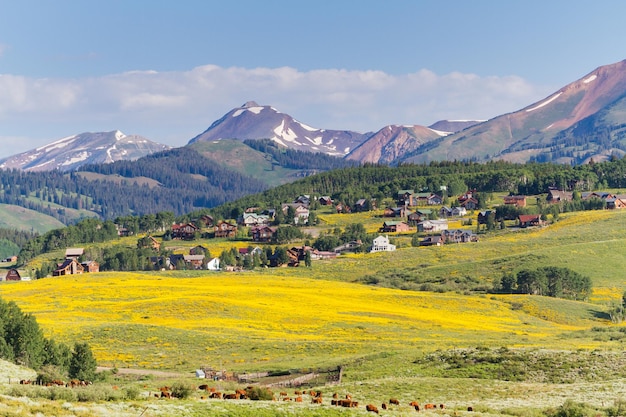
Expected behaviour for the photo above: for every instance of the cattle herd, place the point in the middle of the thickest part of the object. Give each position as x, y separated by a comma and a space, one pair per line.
315, 397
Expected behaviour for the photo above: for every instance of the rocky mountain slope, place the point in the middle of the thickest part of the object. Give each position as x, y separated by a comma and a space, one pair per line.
583, 120
70, 153
252, 121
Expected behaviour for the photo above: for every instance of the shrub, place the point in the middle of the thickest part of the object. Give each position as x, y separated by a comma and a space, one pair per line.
62, 393
181, 390
259, 393
132, 392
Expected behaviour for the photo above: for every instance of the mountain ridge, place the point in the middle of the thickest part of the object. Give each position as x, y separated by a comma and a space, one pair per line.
71, 152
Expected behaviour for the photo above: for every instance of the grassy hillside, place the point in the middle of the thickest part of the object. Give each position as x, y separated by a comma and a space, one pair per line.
235, 155
512, 355
15, 217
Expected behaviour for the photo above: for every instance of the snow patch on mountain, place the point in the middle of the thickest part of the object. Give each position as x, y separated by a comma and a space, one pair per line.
545, 103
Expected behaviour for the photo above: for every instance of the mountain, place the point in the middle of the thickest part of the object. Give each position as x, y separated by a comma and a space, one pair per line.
252, 121
453, 126
583, 120
69, 153
392, 142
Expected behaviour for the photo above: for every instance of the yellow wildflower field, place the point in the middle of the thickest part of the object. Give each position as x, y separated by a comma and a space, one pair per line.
255, 320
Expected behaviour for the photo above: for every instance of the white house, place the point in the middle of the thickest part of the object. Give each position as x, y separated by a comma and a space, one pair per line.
213, 264
381, 244
430, 226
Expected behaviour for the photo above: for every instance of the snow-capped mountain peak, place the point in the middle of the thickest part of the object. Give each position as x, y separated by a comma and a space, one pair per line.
71, 152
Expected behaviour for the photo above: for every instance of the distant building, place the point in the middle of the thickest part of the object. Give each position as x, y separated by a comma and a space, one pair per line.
381, 244
13, 275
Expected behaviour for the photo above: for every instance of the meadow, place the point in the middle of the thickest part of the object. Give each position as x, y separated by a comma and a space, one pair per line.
504, 354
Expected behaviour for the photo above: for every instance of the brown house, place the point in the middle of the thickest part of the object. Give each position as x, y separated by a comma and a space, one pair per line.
13, 275
263, 233
91, 266
68, 267
185, 231
556, 196
391, 227
527, 220
225, 229
515, 200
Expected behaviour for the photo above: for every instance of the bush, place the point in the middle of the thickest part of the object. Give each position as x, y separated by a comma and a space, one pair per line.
49, 373
132, 392
62, 394
181, 390
260, 393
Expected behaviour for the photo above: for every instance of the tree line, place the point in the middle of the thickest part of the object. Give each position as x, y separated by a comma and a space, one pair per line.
22, 342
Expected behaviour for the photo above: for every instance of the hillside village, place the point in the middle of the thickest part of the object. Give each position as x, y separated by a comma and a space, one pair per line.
295, 235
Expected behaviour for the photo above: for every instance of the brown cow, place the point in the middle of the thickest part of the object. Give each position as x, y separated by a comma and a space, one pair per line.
417, 407
296, 392
442, 406
216, 394
298, 399
394, 401
470, 408
234, 396
430, 406
384, 406
372, 408
166, 394
413, 403
316, 400
204, 387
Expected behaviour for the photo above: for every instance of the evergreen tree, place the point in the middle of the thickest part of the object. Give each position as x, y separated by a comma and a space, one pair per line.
82, 364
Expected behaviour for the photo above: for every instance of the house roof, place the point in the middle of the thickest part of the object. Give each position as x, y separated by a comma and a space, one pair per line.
529, 218
74, 252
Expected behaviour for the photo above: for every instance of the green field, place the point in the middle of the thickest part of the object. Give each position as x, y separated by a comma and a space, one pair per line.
457, 344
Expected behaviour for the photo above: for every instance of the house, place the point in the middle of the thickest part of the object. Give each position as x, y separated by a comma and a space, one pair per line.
419, 216
431, 226
407, 198
90, 266
301, 215
263, 233
556, 196
154, 244
207, 220
445, 212
596, 194
434, 199
10, 259
70, 266
325, 200
459, 211
381, 244
528, 220
432, 241
392, 227
13, 275
305, 200
485, 215
616, 202
515, 200
458, 236
348, 246
428, 199
469, 204
74, 253
198, 250
122, 231
225, 229
184, 231
395, 212
250, 251
254, 219
194, 261
213, 264
360, 205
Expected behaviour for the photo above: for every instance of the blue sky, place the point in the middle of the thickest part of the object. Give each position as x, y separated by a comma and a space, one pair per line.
167, 69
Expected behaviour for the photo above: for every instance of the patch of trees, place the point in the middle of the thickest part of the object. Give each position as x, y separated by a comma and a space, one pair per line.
22, 342
382, 182
294, 159
352, 232
551, 281
86, 231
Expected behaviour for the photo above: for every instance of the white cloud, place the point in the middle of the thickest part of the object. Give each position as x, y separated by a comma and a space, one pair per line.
172, 107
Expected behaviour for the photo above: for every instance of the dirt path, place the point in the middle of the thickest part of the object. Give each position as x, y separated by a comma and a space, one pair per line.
132, 371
